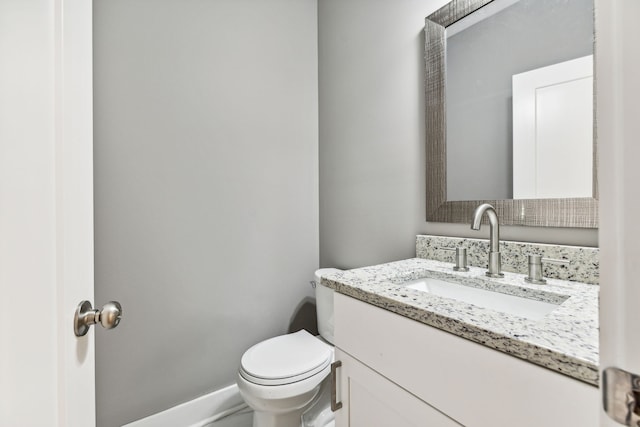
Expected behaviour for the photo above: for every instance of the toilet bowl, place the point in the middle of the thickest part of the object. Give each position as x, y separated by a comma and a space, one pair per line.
281, 378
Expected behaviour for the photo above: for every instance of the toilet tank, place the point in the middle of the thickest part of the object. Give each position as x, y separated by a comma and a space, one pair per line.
324, 305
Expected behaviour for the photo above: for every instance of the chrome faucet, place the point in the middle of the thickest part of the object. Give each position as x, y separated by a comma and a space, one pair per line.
494, 238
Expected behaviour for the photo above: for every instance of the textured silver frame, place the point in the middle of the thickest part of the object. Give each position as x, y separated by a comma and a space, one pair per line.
570, 212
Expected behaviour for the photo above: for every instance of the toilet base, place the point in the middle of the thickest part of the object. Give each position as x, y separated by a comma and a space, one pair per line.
269, 419
312, 410
286, 412
318, 413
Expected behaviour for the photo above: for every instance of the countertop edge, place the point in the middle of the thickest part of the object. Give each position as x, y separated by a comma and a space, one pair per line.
564, 364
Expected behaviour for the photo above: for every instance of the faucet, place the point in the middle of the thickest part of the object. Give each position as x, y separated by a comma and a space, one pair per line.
494, 238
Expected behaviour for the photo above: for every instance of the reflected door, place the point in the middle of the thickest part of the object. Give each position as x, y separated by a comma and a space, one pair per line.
553, 131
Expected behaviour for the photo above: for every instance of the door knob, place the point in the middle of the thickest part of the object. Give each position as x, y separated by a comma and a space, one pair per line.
108, 317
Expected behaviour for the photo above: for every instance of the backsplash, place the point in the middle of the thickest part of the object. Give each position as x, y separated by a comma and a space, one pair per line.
583, 262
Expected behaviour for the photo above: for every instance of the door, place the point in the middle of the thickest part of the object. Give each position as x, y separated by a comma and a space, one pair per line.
552, 131
618, 129
46, 213
369, 399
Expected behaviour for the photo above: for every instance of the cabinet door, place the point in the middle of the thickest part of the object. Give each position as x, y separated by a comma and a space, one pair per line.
371, 400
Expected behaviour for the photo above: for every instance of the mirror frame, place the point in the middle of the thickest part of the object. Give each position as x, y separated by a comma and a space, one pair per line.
569, 212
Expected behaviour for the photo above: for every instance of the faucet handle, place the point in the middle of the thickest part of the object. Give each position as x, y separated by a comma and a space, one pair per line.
535, 268
556, 261
461, 258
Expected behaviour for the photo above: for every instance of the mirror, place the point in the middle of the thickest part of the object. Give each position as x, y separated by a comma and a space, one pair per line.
510, 122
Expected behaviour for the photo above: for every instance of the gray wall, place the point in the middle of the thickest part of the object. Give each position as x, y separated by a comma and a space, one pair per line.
372, 136
206, 189
481, 61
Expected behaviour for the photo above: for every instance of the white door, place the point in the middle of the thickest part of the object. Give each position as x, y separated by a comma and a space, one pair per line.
618, 129
553, 131
46, 212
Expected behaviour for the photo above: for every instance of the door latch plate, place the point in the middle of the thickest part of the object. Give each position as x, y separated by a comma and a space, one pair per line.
621, 396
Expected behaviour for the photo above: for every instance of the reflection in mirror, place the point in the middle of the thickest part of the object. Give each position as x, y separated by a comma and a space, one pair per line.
486, 138
553, 131
509, 112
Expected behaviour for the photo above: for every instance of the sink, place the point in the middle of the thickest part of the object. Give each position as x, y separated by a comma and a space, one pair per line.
510, 304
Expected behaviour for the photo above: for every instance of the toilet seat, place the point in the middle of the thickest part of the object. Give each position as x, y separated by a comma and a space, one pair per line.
285, 359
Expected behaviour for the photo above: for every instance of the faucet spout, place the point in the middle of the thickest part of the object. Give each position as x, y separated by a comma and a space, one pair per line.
494, 236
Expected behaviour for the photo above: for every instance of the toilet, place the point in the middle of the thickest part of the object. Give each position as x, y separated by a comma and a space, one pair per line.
285, 379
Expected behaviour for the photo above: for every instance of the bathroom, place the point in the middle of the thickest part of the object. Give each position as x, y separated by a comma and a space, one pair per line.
210, 247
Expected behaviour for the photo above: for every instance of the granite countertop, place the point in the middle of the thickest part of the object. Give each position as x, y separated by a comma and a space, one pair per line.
565, 340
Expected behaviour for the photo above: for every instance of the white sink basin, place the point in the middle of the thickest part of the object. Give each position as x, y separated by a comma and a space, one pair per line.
522, 307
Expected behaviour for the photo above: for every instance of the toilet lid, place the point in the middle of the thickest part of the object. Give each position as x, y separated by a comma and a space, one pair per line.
285, 359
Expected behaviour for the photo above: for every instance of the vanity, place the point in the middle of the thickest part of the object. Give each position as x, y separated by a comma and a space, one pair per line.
412, 356
419, 344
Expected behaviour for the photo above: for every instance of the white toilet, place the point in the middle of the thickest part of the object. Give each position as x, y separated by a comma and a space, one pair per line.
287, 376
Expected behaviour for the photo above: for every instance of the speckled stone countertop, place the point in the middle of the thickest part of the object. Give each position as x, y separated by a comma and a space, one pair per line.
565, 340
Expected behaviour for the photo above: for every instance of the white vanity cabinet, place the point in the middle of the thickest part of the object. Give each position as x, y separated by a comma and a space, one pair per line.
373, 400
399, 372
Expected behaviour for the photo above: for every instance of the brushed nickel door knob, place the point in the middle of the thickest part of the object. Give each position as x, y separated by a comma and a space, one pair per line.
109, 317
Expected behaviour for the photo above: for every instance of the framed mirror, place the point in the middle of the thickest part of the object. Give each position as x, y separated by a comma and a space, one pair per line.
510, 112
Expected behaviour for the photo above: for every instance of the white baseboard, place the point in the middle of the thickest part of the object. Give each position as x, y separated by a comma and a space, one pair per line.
197, 412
